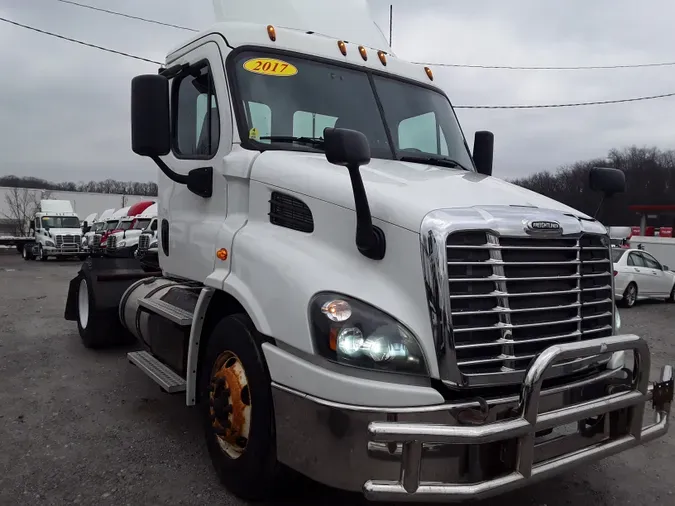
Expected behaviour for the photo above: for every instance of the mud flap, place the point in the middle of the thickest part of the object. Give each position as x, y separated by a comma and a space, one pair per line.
108, 278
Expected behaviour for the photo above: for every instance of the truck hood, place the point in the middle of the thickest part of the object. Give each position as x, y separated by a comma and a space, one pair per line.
399, 193
129, 234
65, 231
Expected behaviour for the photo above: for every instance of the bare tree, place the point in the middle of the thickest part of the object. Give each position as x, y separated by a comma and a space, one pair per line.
22, 204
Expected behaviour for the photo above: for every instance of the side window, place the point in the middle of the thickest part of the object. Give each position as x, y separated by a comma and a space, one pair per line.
651, 262
153, 227
196, 117
636, 260
308, 124
422, 133
260, 117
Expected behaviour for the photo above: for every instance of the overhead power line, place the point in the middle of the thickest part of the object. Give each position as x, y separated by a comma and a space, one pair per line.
128, 16
571, 104
75, 41
531, 106
453, 65
581, 67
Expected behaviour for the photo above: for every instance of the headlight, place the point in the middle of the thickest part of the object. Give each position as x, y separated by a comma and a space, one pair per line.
153, 244
351, 332
122, 244
49, 243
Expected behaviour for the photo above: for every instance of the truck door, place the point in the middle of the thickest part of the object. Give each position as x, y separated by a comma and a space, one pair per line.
201, 137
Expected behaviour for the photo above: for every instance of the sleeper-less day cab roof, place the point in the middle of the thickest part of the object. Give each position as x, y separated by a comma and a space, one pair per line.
349, 21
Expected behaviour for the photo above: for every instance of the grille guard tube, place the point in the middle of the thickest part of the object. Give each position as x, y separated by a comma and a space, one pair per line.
526, 424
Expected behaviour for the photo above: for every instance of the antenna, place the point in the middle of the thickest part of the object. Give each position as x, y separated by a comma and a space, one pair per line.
391, 25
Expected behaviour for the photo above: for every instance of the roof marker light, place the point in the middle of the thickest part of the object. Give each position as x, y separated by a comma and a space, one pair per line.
429, 72
343, 47
364, 53
383, 57
271, 31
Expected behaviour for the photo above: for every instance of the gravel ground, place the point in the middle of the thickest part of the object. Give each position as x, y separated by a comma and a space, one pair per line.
88, 428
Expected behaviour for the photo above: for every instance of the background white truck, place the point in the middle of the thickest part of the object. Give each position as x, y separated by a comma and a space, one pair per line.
56, 232
363, 303
124, 243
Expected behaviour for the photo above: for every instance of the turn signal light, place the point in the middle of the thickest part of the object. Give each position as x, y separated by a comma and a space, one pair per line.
271, 31
221, 254
616, 272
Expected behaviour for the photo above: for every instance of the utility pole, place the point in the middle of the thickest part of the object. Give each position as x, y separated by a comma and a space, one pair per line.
391, 25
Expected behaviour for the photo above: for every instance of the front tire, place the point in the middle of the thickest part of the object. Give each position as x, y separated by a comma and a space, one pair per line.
671, 297
630, 296
27, 252
237, 410
41, 254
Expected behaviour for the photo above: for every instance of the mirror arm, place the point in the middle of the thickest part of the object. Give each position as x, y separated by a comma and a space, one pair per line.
174, 176
370, 239
602, 201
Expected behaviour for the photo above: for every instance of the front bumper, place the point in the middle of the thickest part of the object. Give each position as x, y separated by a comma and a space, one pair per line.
65, 250
447, 454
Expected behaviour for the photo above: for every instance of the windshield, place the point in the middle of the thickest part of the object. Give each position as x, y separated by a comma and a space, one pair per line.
60, 222
111, 225
97, 226
307, 96
125, 225
617, 253
141, 224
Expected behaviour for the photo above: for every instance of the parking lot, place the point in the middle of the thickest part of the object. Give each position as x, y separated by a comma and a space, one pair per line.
86, 427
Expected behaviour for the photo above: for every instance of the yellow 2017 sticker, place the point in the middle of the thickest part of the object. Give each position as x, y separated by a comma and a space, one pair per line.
270, 67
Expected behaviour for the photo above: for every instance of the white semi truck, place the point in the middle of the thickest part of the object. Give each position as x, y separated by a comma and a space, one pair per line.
56, 232
124, 243
96, 228
343, 287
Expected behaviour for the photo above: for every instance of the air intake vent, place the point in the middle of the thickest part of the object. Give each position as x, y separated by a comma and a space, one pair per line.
289, 212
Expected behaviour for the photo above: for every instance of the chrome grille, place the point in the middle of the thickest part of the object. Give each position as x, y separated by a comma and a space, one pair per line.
111, 243
144, 242
97, 239
512, 297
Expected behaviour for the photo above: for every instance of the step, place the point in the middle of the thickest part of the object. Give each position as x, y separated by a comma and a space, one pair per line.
167, 310
168, 380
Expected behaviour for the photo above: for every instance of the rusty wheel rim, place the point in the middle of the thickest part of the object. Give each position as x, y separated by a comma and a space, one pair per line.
230, 404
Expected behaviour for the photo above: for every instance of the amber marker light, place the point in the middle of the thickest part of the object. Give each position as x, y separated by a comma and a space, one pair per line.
429, 72
364, 53
343, 47
271, 31
383, 57
222, 254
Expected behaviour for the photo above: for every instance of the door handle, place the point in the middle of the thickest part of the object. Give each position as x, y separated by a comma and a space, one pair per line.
636, 269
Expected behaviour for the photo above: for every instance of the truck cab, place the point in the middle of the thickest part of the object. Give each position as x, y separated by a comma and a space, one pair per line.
96, 227
123, 242
56, 231
345, 289
111, 225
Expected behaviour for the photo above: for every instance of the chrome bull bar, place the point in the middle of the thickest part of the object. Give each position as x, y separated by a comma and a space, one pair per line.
525, 424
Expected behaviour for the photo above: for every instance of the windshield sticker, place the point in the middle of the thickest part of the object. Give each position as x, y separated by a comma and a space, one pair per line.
270, 67
254, 134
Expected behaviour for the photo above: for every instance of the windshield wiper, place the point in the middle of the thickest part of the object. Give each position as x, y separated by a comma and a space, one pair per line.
316, 141
433, 160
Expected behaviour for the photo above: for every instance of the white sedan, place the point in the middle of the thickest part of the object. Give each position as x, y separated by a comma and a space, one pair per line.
638, 275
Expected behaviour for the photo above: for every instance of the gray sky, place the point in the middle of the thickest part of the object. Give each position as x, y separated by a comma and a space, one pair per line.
65, 108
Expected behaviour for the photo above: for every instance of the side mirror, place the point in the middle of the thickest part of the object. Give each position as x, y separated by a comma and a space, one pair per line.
483, 151
150, 119
665, 267
607, 181
349, 148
